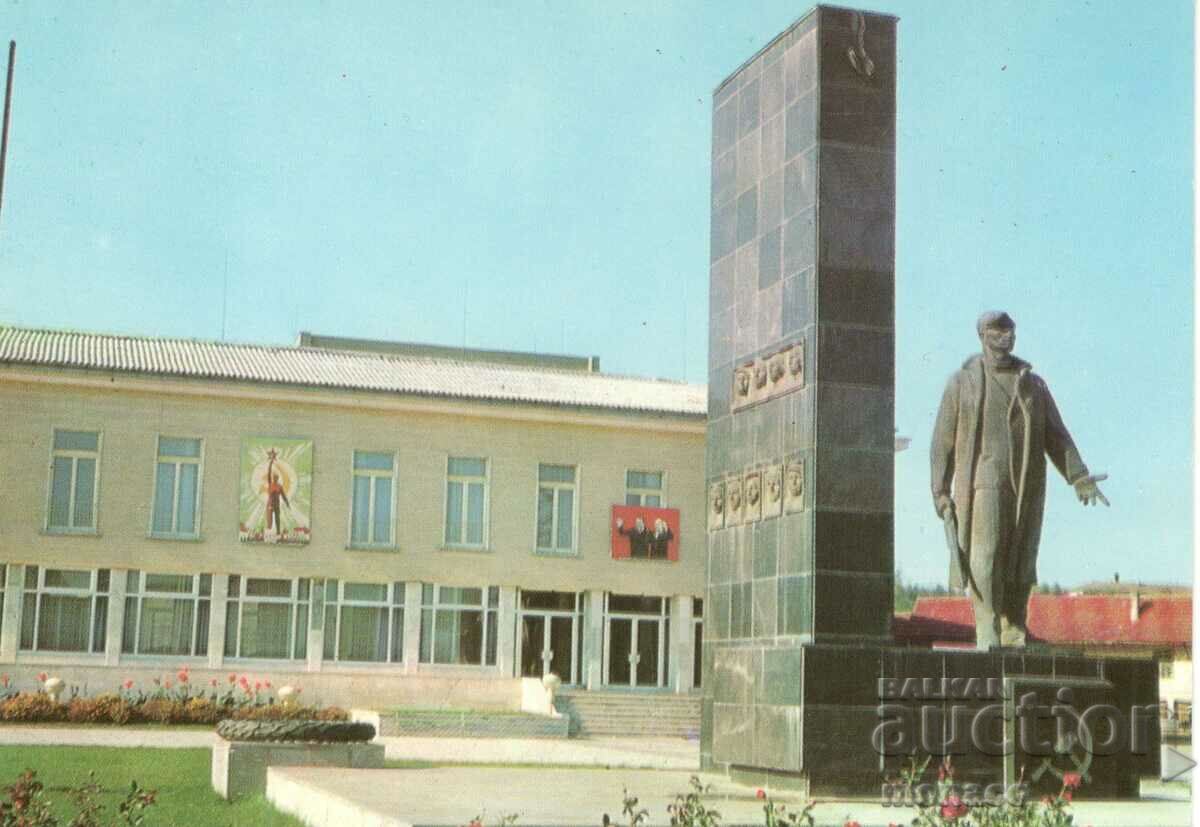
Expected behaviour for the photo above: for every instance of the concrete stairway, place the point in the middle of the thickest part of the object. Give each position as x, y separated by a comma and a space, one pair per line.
626, 714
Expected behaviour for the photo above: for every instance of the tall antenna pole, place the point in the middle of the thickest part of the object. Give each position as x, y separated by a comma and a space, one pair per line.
12, 57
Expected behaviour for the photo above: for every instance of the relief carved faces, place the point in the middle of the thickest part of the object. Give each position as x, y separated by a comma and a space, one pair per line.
773, 491
752, 508
776, 368
793, 485
716, 505
733, 501
767, 377
741, 384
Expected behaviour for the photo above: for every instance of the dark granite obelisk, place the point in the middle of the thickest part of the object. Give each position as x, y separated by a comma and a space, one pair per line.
800, 434
797, 639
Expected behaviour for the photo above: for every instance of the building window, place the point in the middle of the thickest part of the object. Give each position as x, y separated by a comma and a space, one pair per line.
697, 642
644, 488
1166, 670
556, 508
176, 488
371, 499
166, 614
65, 610
74, 475
457, 627
267, 618
364, 622
466, 502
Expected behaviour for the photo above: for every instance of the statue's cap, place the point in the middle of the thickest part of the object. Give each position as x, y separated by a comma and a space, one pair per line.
994, 318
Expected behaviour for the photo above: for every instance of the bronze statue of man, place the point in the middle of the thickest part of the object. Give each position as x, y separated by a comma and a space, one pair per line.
996, 425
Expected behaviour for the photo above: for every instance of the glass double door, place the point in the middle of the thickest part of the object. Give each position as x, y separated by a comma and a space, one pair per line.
635, 653
549, 644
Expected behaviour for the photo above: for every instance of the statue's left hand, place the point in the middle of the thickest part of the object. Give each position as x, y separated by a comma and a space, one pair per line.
1088, 491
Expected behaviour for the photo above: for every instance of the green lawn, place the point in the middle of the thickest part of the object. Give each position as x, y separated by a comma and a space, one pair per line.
181, 776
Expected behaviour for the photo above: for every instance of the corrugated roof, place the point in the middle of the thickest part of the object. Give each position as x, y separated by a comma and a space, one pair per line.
348, 370
1162, 620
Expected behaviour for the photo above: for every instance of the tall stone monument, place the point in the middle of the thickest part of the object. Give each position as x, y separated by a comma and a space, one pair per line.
801, 436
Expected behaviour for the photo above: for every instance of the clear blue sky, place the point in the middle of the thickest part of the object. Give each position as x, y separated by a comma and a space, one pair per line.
360, 169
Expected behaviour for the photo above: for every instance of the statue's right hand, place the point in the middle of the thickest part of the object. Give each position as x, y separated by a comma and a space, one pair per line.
943, 504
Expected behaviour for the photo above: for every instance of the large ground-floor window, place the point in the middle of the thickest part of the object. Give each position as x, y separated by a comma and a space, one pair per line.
458, 625
364, 622
65, 610
166, 614
267, 618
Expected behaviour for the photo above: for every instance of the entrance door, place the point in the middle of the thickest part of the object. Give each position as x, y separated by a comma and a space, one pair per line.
648, 646
635, 651
620, 648
548, 645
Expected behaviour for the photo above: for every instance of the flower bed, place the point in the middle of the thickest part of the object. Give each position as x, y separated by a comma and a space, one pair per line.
174, 700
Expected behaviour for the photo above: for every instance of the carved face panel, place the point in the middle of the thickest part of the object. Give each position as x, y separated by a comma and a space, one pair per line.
753, 490
795, 481
741, 381
735, 497
776, 369
796, 361
760, 376
717, 499
774, 484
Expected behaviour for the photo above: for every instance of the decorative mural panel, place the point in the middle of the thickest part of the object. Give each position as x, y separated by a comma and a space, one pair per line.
752, 493
275, 498
793, 485
772, 491
733, 501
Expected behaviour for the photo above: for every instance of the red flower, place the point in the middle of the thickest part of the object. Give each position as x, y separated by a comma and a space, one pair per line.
760, 794
4, 680
267, 684
42, 676
128, 683
168, 684
183, 676
1072, 780
257, 685
1066, 796
232, 678
852, 824
213, 682
953, 808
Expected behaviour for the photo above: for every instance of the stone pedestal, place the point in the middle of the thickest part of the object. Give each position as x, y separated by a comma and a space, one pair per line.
838, 720
240, 767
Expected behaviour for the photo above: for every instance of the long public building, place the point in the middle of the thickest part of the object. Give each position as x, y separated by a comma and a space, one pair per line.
379, 521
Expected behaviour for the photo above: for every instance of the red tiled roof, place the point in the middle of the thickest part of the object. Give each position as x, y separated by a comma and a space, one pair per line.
1102, 619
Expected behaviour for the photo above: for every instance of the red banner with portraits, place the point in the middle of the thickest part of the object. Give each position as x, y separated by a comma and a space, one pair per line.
644, 533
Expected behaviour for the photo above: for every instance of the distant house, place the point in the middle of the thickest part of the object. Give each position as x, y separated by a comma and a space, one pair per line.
1114, 624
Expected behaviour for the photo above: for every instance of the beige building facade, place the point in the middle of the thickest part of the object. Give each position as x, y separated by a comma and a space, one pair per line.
449, 531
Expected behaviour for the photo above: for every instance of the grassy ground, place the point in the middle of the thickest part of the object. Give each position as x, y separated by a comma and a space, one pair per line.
181, 776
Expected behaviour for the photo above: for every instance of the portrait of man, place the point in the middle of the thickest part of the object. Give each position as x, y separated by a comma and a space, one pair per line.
638, 536
661, 540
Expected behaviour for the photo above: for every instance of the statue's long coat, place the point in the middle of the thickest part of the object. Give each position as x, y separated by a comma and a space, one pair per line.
1036, 431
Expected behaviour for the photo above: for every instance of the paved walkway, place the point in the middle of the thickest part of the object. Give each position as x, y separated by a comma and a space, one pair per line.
643, 753
637, 753
113, 736
546, 796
